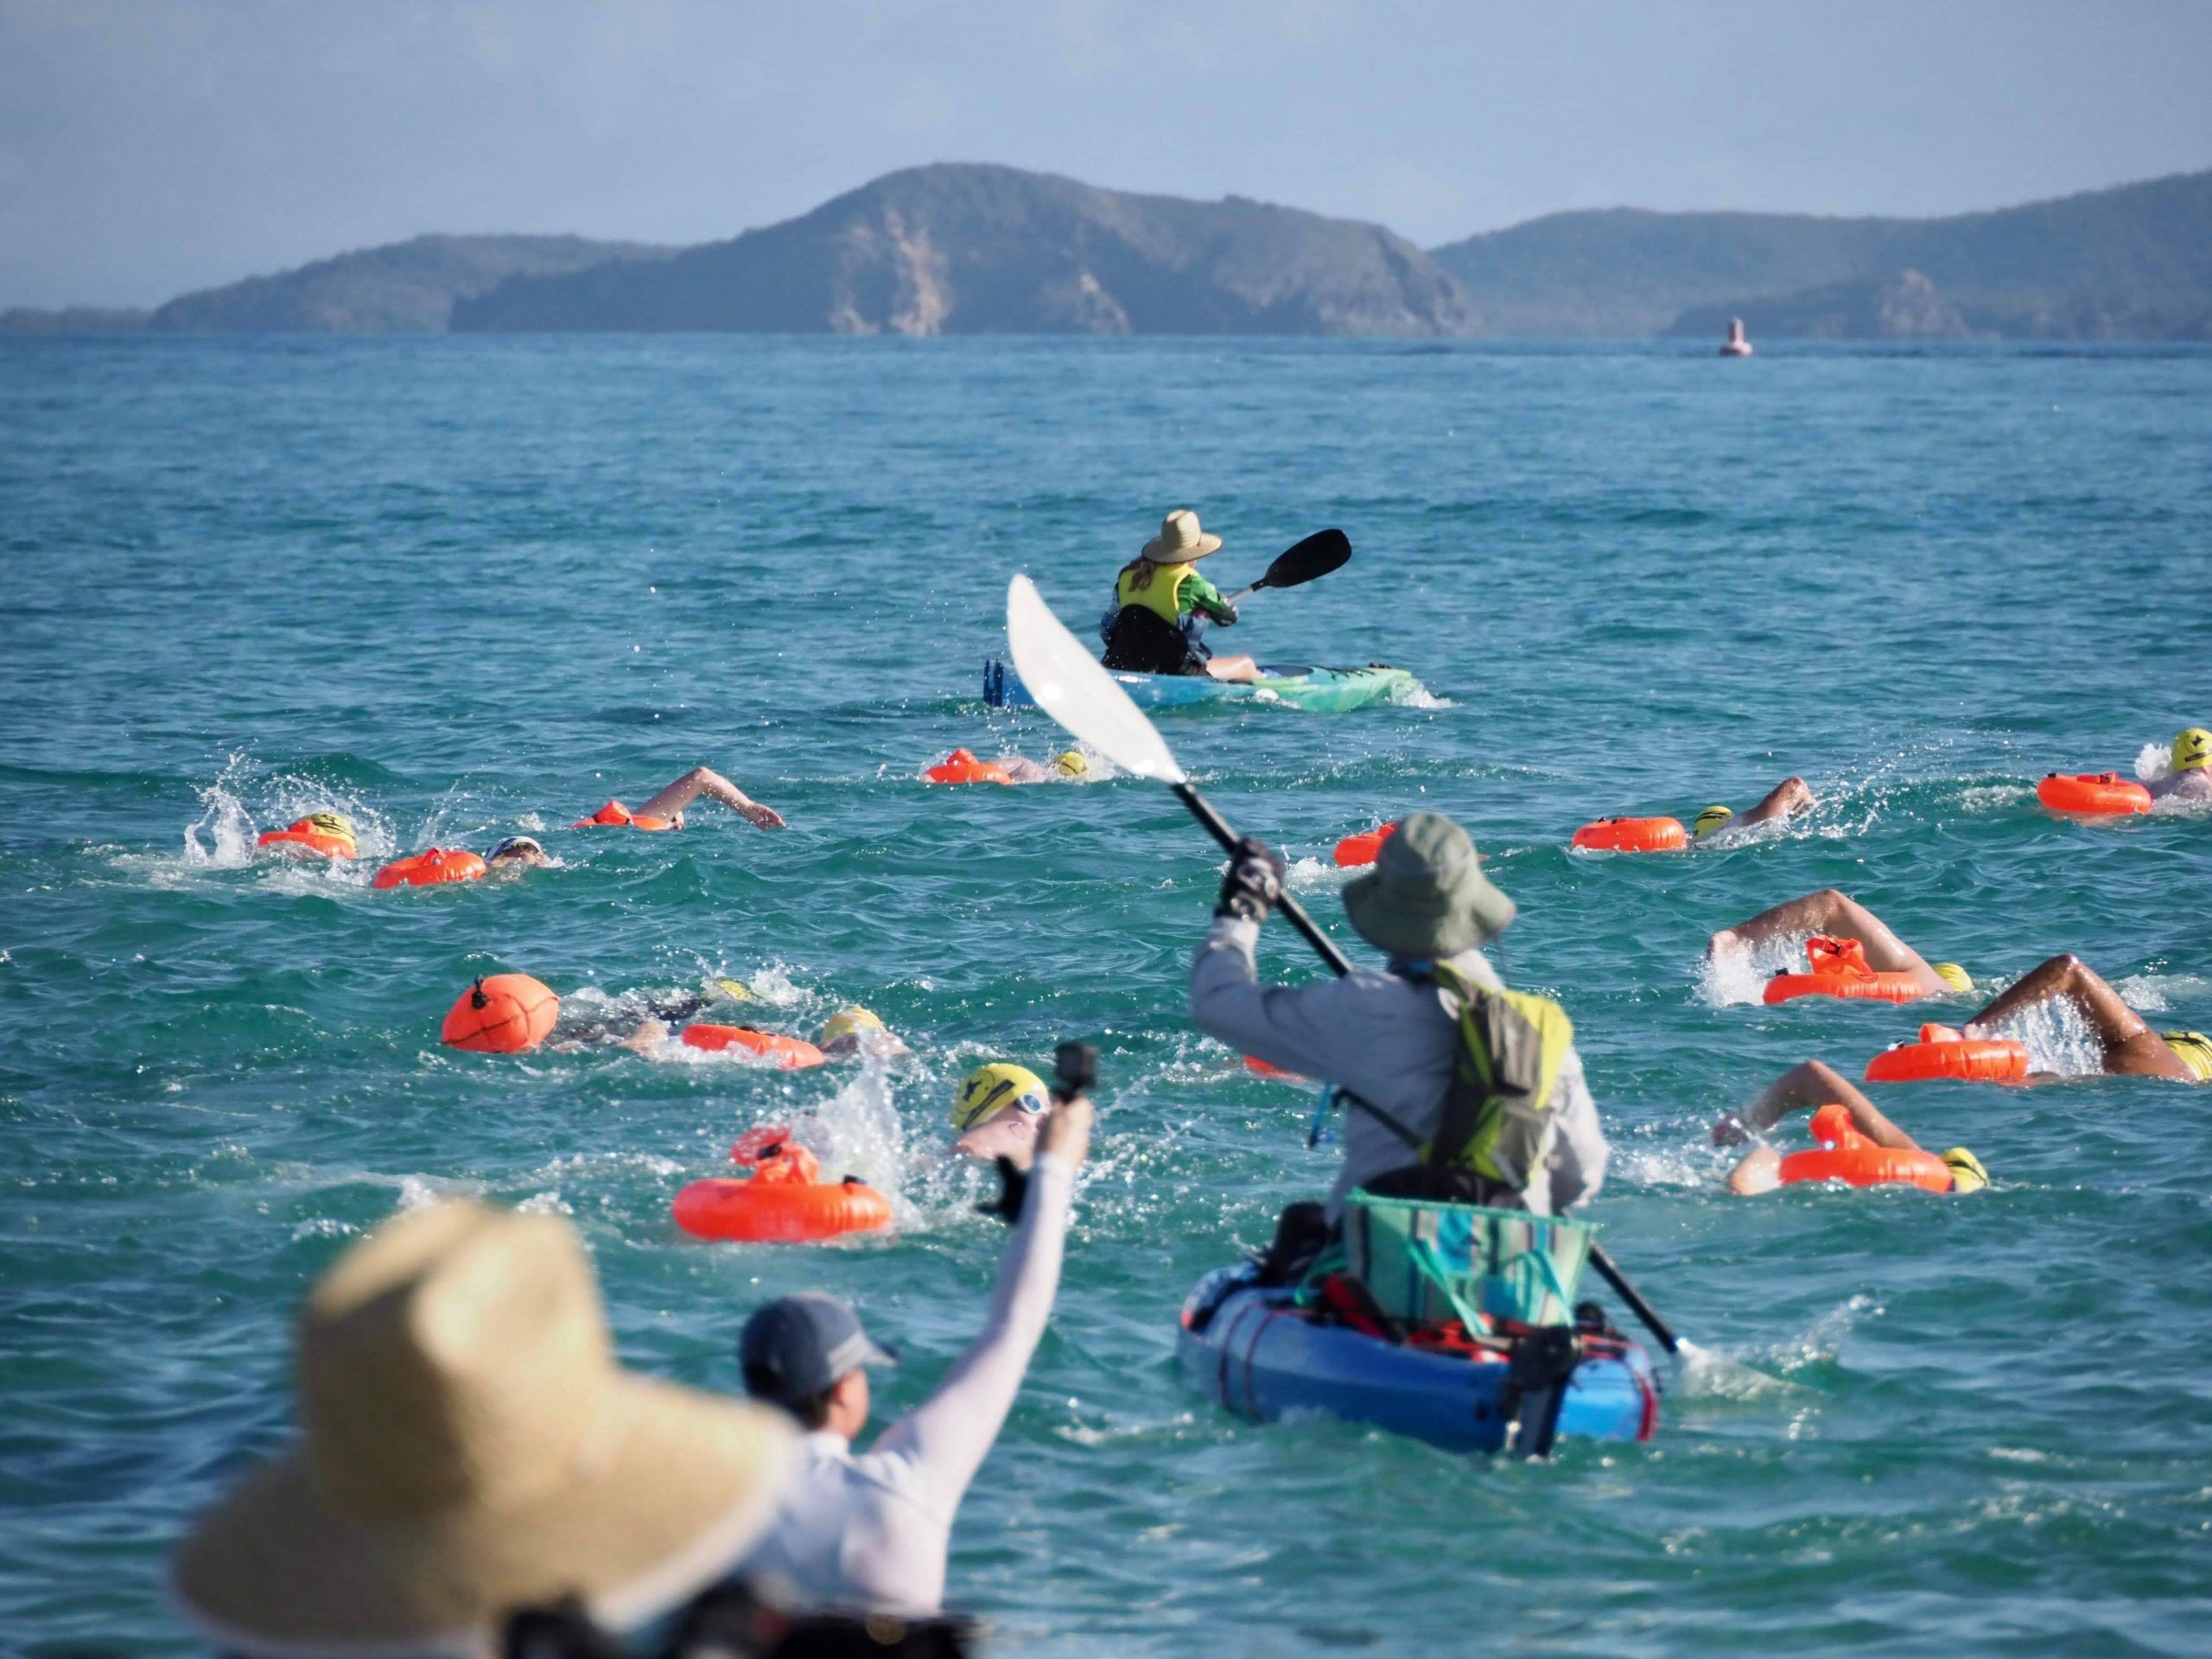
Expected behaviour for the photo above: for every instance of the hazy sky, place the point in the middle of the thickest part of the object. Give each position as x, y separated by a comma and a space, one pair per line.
151, 146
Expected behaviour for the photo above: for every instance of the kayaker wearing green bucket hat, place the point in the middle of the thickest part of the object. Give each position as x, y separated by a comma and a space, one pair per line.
1453, 1085
1162, 605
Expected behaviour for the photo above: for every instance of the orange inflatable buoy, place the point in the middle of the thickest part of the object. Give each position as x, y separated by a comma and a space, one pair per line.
430, 869
792, 1054
782, 1199
302, 839
1260, 1068
615, 813
1354, 850
1632, 835
2093, 794
1942, 1053
505, 1013
1839, 968
963, 768
1846, 1155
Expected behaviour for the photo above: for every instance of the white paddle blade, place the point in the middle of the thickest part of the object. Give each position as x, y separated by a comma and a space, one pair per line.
1075, 689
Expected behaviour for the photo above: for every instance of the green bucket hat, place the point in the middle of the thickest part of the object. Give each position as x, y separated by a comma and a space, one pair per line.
1427, 895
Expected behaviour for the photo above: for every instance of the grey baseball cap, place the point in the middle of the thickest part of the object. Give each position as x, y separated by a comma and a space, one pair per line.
795, 1348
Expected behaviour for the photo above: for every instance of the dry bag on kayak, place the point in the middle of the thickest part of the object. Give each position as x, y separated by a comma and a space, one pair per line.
1426, 1262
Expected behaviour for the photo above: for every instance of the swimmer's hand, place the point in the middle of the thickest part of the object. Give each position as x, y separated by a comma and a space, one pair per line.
1729, 1131
760, 817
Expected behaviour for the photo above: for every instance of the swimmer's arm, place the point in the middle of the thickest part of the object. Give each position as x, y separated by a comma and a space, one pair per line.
1840, 916
2130, 1048
701, 781
1787, 798
1811, 1084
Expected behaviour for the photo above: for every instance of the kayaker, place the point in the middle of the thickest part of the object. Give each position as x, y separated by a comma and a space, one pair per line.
2126, 1046
1807, 1087
1720, 826
996, 1109
468, 1444
666, 810
868, 1532
2188, 769
1407, 1046
1837, 915
1161, 604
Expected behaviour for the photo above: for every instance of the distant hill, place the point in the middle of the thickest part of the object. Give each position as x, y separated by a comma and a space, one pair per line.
402, 288
960, 248
72, 320
2130, 262
1903, 306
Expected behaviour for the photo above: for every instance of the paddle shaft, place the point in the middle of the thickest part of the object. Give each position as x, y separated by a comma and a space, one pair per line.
1294, 914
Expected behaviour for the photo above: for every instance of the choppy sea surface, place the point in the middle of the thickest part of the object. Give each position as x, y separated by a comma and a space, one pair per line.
459, 590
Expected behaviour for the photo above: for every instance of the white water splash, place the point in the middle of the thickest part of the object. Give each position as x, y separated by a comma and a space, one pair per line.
1415, 694
224, 820
2154, 761
1737, 973
2058, 1036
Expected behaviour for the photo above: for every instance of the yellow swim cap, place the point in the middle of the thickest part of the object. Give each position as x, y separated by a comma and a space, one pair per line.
1069, 763
331, 823
988, 1087
1953, 975
1966, 1174
736, 989
847, 1022
2194, 1049
2193, 749
1710, 820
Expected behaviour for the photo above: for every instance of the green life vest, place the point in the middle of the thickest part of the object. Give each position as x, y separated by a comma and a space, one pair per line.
1161, 595
1497, 1124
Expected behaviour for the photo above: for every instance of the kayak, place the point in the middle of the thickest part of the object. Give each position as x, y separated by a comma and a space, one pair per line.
1317, 690
1256, 1352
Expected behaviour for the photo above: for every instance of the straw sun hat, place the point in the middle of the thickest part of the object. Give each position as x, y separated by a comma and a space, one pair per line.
1427, 896
1181, 540
470, 1446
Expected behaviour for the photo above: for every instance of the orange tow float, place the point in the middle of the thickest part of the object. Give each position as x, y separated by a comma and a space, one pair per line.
1839, 968
791, 1053
1632, 835
960, 766
2093, 794
502, 1013
1846, 1155
781, 1199
430, 869
1364, 848
1943, 1054
614, 813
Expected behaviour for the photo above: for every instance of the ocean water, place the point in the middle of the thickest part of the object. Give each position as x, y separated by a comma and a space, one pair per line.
462, 588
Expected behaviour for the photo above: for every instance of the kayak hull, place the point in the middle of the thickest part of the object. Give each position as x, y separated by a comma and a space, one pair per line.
1263, 1363
1317, 690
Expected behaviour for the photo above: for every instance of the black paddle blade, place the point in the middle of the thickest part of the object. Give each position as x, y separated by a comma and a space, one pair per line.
1319, 554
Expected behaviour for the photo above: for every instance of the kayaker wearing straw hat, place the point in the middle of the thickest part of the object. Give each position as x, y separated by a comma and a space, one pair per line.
469, 1447
1453, 1085
1161, 604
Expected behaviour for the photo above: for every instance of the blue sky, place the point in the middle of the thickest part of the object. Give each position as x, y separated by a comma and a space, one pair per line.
151, 146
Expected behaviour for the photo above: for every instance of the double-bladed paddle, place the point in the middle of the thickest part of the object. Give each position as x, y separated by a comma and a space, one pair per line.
1075, 689
1319, 554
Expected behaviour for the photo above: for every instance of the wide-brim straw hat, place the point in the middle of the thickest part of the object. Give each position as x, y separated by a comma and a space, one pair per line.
1427, 896
471, 1447
1181, 540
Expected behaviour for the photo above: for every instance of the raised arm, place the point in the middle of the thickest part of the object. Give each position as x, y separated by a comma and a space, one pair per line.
1805, 1086
700, 780
1278, 1024
1785, 800
2130, 1047
1840, 916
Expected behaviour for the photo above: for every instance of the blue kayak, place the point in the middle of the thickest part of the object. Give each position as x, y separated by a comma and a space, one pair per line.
1317, 690
1252, 1349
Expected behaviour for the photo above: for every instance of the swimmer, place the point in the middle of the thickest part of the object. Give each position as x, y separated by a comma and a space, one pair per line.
855, 1031
1720, 826
1810, 1086
1066, 766
2128, 1047
2189, 777
996, 1109
605, 1025
666, 810
319, 835
515, 854
1839, 915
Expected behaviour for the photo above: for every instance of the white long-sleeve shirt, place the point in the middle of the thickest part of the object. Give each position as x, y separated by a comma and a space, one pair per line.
869, 1532
1390, 1041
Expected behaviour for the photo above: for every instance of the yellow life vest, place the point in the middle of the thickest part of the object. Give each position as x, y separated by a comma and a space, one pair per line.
1160, 595
1498, 1122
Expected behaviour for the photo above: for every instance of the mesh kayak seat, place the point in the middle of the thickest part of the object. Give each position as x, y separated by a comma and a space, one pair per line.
1426, 1261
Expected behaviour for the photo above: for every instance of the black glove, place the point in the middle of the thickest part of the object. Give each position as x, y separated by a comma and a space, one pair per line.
1254, 882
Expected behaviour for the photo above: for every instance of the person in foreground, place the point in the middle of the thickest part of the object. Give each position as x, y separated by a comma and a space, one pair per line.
469, 1445
666, 810
868, 1532
2189, 776
1840, 916
1721, 826
2126, 1046
1809, 1087
1162, 603
1453, 1085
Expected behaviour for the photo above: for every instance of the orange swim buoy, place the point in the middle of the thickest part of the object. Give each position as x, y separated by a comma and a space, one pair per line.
505, 1013
614, 813
782, 1201
792, 1054
302, 839
430, 869
1260, 1068
963, 768
1943, 1054
1846, 1155
1363, 849
1632, 835
2093, 794
1839, 968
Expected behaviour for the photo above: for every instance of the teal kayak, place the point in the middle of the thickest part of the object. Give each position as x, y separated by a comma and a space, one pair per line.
1317, 690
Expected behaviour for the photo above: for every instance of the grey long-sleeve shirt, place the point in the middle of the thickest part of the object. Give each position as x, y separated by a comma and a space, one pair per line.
1389, 1040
